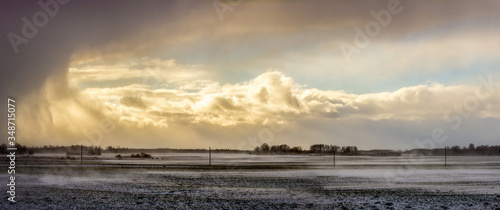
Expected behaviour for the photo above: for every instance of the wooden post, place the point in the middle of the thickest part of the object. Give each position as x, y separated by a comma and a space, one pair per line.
334, 157
210, 156
445, 160
81, 154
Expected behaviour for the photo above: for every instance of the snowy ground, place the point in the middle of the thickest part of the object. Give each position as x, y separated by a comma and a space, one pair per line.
356, 182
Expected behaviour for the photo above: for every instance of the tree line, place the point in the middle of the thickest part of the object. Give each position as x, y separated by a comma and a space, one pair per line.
472, 150
325, 149
85, 150
313, 149
118, 149
21, 149
483, 150
69, 150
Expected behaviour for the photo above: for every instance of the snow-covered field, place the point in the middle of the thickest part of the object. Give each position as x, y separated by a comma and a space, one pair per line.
312, 182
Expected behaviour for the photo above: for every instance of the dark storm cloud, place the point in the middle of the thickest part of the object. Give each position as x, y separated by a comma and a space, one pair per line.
95, 27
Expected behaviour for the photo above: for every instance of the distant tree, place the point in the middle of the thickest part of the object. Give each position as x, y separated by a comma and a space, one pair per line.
275, 149
482, 150
75, 149
471, 147
349, 150
264, 147
335, 148
323, 148
284, 148
345, 150
3, 149
455, 150
94, 150
316, 148
142, 155
21, 149
257, 149
296, 149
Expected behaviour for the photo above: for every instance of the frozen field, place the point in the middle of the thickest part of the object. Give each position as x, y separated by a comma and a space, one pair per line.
246, 181
243, 159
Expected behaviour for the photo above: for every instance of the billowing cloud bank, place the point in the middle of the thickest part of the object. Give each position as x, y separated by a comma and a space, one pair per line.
270, 95
203, 112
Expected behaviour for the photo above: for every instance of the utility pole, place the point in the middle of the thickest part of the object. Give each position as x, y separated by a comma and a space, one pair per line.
81, 154
334, 157
445, 159
210, 156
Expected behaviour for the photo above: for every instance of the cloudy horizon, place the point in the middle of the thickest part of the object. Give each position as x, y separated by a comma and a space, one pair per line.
187, 74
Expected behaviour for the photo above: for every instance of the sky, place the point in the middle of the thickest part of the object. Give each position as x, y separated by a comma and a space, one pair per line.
236, 74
